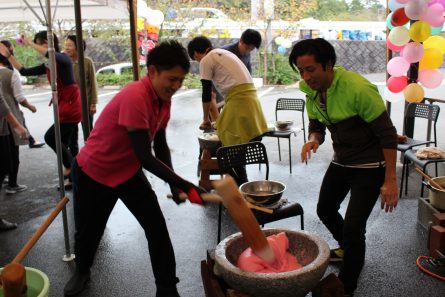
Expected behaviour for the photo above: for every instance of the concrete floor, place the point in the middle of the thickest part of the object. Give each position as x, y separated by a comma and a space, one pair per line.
122, 266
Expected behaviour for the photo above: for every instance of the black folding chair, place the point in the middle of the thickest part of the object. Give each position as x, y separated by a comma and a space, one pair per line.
288, 104
253, 153
417, 111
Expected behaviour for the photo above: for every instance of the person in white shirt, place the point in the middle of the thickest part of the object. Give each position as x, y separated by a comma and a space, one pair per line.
242, 119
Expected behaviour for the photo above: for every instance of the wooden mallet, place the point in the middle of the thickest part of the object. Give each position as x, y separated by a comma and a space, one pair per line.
243, 217
13, 276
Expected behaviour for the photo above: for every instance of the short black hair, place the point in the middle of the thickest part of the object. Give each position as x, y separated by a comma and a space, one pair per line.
43, 36
3, 59
322, 50
198, 44
251, 37
167, 55
73, 38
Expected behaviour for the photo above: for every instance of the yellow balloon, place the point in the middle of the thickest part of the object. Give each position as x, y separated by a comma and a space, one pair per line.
414, 93
420, 31
140, 24
432, 58
435, 42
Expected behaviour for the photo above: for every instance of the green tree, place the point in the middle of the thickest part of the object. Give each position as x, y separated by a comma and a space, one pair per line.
328, 9
356, 5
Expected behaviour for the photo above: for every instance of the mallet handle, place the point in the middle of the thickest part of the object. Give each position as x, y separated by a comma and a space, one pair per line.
28, 246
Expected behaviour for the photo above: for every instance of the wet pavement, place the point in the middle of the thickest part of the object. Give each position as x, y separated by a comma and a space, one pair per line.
122, 266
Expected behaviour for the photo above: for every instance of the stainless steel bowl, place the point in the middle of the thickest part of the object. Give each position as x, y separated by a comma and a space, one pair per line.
210, 142
263, 191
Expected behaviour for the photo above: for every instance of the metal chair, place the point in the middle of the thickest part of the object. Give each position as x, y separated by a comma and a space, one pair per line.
421, 111
288, 104
254, 153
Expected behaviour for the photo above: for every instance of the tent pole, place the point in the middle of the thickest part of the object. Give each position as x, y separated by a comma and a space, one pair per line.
133, 33
53, 78
80, 59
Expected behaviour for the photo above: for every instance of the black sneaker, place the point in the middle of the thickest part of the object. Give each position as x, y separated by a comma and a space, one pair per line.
337, 255
77, 283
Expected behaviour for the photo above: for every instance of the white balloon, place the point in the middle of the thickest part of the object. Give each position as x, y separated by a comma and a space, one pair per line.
392, 97
394, 5
155, 17
142, 9
415, 8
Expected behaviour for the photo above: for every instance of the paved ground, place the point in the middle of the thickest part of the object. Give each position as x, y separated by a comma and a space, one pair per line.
122, 266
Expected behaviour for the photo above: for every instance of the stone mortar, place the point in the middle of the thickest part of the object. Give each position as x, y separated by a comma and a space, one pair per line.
311, 251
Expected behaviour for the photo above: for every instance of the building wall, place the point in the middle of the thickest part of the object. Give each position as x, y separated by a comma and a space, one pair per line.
360, 56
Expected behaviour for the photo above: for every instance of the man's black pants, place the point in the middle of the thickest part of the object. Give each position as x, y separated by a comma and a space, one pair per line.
364, 185
93, 205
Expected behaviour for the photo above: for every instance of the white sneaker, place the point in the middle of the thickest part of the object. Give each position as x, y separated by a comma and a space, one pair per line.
12, 190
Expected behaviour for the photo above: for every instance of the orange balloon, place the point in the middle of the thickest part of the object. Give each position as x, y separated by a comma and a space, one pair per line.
414, 93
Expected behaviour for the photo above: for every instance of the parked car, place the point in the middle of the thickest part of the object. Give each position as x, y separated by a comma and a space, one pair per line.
120, 68
211, 22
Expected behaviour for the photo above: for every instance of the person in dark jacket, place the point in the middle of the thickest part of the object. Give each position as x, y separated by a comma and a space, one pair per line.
364, 141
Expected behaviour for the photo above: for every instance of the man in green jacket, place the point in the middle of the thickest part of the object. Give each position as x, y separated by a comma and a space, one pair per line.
364, 142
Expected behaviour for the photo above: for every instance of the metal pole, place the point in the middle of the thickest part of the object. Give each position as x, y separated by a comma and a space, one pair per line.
133, 34
53, 77
388, 57
80, 59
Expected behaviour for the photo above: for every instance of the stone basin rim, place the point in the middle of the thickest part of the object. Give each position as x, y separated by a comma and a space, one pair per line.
323, 253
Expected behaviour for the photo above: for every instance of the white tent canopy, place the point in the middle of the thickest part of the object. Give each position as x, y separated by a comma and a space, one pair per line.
17, 10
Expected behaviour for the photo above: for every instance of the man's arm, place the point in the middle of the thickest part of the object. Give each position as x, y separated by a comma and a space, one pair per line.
206, 103
387, 134
317, 132
141, 143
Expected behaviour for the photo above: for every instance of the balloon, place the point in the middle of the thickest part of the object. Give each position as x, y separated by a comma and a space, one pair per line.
433, 15
414, 93
413, 52
397, 66
399, 36
437, 42
388, 21
286, 43
399, 18
392, 97
281, 50
436, 30
396, 84
394, 5
415, 8
392, 46
140, 24
142, 9
155, 17
430, 78
420, 31
279, 40
432, 58
403, 1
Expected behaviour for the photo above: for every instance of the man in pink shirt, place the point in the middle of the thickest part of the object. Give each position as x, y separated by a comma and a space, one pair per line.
109, 167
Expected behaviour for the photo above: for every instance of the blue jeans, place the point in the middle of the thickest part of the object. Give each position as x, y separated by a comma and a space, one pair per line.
364, 185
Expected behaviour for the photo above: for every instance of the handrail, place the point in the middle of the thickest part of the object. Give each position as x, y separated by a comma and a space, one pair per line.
432, 100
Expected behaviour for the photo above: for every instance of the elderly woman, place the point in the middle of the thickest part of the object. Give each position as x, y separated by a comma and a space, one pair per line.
70, 113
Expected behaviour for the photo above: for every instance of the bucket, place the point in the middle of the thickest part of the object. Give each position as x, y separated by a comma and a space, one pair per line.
37, 282
437, 196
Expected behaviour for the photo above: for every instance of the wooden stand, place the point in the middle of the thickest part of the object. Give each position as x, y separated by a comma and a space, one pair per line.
207, 166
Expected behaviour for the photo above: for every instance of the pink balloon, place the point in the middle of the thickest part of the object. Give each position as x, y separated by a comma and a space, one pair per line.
392, 46
430, 78
413, 52
433, 15
441, 2
396, 84
397, 66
